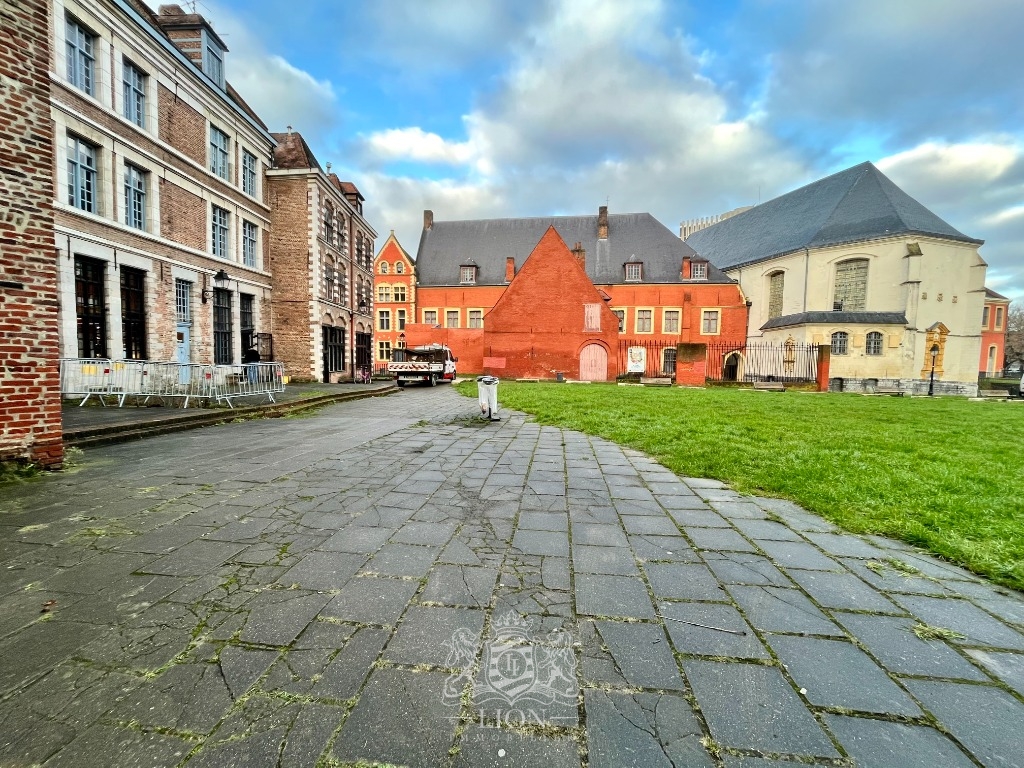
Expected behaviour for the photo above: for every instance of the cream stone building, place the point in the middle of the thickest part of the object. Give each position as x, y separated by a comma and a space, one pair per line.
161, 221
855, 262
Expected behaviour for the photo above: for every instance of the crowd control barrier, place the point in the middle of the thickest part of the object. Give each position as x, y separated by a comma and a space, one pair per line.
145, 379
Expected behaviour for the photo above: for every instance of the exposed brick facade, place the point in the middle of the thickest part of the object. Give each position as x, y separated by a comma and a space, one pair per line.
182, 216
30, 421
321, 256
181, 126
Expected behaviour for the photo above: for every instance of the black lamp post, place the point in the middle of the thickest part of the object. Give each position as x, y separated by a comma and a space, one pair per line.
931, 379
352, 328
220, 280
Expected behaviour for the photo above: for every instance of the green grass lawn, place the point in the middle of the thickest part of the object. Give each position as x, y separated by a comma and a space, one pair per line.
944, 474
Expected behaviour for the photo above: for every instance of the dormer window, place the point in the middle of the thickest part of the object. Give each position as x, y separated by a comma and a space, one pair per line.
213, 62
467, 275
634, 271
699, 271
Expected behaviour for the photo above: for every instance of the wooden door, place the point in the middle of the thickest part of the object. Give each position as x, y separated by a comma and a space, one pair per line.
593, 363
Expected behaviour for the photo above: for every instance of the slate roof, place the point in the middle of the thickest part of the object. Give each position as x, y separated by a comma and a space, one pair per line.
836, 318
990, 294
292, 152
860, 203
487, 243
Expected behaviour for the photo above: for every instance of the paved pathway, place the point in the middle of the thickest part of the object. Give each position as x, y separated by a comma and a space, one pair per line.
392, 581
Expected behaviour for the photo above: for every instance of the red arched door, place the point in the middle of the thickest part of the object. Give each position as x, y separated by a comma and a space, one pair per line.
593, 363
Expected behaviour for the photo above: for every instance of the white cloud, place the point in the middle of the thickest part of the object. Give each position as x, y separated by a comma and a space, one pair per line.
279, 92
417, 145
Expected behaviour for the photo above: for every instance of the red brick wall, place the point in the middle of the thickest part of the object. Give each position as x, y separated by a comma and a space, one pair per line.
538, 323
392, 254
30, 421
691, 365
990, 336
465, 343
181, 126
692, 299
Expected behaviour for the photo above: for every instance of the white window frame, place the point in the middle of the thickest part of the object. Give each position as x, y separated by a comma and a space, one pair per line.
220, 231
430, 321
699, 270
250, 243
136, 182
250, 183
634, 271
880, 338
383, 319
183, 301
467, 275
845, 348
399, 268
474, 322
134, 92
80, 50
220, 156
83, 177
447, 318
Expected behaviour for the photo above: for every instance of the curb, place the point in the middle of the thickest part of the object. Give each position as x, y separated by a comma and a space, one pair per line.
119, 433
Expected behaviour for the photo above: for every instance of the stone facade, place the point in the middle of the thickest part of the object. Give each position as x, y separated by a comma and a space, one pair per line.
30, 421
321, 255
159, 155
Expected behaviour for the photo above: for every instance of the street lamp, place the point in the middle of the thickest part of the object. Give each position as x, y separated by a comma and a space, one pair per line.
352, 328
220, 280
931, 379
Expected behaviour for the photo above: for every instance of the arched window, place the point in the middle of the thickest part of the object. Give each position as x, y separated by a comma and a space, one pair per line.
383, 267
840, 343
329, 225
873, 345
776, 288
851, 286
399, 267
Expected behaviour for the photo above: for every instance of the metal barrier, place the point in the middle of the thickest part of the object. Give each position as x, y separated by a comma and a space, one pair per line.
246, 380
146, 379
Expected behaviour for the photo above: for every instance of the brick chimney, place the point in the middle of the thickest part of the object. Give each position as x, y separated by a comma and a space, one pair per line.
510, 269
428, 220
602, 223
685, 274
186, 30
581, 255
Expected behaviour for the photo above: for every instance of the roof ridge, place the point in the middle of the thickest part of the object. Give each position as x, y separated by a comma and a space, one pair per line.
839, 202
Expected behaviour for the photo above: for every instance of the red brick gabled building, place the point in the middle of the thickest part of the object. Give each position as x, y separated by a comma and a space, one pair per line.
394, 277
653, 290
993, 333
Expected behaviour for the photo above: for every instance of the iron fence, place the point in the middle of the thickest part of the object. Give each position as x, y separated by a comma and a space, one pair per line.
762, 361
647, 357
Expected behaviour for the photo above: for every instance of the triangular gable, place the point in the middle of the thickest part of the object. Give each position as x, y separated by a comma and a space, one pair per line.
552, 282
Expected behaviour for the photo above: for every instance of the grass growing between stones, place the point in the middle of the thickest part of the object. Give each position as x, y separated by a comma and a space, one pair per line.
944, 474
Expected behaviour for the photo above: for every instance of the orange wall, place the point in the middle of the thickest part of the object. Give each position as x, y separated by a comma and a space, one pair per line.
990, 336
391, 253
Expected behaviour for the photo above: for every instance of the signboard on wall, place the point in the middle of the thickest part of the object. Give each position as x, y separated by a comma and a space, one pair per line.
636, 360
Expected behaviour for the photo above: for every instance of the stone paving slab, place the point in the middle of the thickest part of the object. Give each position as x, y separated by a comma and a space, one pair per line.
393, 581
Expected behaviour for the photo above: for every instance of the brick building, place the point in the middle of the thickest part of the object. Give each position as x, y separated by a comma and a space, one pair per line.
30, 422
321, 256
161, 223
994, 317
658, 291
394, 277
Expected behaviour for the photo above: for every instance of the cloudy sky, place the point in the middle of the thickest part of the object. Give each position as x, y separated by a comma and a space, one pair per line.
684, 108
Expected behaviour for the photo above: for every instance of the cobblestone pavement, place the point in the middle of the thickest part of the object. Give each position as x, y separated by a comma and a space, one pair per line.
346, 587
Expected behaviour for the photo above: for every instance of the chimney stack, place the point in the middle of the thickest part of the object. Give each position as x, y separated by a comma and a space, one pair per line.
581, 255
510, 269
686, 268
602, 223
428, 220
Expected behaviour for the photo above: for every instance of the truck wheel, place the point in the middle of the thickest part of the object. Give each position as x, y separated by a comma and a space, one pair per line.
401, 384
433, 379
